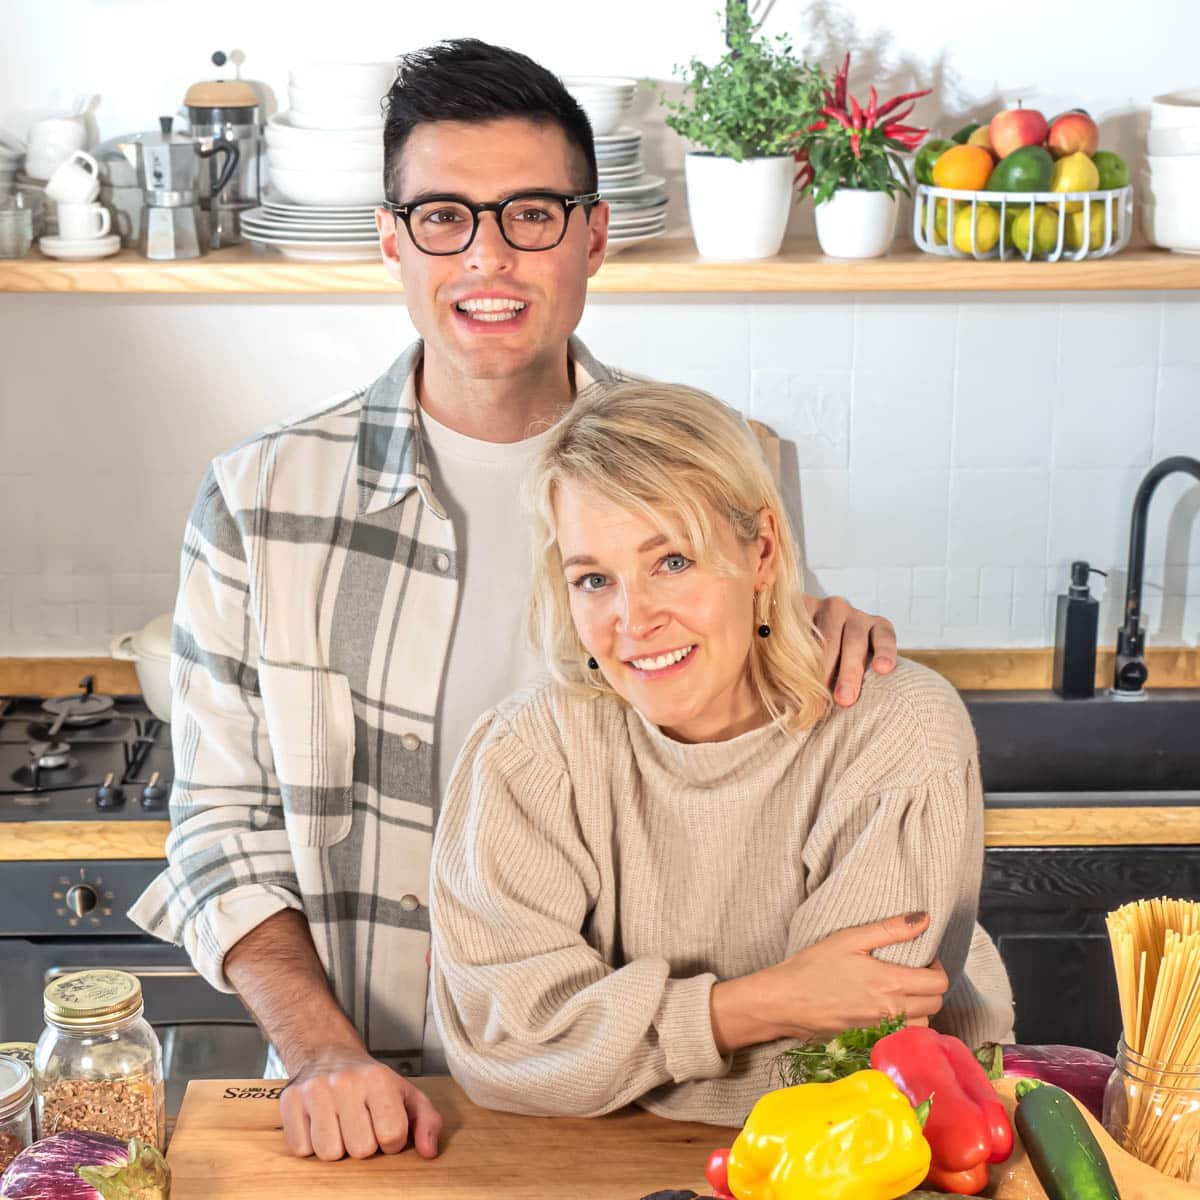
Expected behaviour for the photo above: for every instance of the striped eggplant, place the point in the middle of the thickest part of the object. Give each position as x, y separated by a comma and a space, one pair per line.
86, 1166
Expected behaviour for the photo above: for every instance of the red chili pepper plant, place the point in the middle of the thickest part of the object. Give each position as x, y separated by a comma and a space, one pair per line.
851, 145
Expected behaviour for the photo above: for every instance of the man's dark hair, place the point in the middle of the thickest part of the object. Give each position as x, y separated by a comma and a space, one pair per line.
469, 80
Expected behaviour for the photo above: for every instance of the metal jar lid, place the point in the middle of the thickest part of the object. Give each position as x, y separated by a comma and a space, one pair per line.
88, 999
21, 1051
16, 1087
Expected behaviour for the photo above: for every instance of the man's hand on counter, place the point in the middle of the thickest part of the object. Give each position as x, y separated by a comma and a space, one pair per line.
343, 1102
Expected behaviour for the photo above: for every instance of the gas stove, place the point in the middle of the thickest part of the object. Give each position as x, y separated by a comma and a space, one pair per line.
83, 757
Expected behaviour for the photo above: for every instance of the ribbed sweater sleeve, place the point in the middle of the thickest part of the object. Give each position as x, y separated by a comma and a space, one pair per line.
533, 1019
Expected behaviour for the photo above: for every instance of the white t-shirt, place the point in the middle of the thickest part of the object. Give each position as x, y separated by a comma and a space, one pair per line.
490, 656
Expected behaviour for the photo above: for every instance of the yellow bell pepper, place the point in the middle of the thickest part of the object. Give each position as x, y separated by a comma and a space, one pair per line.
855, 1139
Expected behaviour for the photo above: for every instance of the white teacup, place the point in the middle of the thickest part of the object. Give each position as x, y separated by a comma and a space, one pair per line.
51, 142
77, 181
83, 222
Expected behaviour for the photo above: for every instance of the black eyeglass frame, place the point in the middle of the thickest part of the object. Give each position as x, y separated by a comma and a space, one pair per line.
403, 212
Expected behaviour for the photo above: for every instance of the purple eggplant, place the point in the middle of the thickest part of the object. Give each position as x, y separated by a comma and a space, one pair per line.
1082, 1072
87, 1166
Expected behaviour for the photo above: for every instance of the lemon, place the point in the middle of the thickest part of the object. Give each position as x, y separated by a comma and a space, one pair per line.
1043, 223
1095, 239
986, 222
939, 222
1075, 173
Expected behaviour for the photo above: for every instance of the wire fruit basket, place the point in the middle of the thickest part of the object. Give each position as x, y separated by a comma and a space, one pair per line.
1055, 225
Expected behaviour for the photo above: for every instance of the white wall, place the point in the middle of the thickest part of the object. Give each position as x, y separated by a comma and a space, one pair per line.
955, 453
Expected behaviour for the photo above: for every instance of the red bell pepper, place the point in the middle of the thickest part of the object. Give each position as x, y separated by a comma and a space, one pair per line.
968, 1125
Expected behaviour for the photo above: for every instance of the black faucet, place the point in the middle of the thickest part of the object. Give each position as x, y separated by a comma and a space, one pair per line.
1129, 675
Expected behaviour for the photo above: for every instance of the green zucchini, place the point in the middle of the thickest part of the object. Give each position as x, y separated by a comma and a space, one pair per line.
1063, 1151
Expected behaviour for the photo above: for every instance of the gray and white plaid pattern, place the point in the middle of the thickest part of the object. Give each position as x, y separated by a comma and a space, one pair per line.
317, 594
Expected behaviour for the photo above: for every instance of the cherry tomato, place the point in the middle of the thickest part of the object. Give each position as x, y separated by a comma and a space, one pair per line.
717, 1174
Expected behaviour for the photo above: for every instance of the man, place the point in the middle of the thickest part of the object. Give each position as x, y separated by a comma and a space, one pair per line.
352, 598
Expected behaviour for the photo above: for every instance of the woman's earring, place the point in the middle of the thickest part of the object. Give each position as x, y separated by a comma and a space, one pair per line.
593, 664
764, 630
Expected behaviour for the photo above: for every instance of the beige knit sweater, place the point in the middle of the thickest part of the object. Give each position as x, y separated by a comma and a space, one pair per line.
592, 879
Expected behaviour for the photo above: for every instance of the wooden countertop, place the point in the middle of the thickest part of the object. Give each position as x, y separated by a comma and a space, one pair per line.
228, 1145
663, 265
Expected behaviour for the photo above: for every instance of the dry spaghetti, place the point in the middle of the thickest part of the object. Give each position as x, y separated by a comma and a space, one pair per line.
1156, 953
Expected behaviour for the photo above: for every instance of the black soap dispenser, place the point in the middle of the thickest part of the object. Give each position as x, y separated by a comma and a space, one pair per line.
1075, 637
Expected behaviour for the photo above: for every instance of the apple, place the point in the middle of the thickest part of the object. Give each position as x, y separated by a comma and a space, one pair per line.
1016, 127
1073, 133
981, 137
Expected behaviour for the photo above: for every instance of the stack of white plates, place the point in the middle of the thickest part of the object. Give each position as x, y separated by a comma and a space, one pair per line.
638, 201
1171, 216
322, 234
604, 98
327, 149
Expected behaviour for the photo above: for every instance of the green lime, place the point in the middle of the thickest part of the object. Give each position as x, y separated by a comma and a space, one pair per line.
928, 154
965, 132
1027, 169
1114, 170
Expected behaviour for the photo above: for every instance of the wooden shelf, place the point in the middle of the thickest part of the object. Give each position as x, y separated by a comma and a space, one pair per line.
668, 265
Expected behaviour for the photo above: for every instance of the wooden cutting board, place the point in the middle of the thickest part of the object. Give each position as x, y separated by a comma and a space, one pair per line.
228, 1143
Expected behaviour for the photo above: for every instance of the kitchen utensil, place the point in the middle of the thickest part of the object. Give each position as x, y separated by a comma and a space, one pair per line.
149, 649
1175, 110
76, 180
282, 131
168, 167
225, 112
51, 142
79, 222
350, 79
1165, 142
318, 186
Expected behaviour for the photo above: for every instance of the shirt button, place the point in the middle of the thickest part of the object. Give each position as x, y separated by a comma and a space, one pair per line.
409, 903
410, 741
442, 562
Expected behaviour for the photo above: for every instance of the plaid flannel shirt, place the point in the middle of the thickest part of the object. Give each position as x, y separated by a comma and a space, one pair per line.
317, 595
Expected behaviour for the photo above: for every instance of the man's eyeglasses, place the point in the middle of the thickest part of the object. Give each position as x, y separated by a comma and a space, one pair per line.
530, 221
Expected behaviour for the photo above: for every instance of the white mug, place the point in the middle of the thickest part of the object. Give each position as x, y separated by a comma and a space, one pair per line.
82, 222
76, 181
51, 142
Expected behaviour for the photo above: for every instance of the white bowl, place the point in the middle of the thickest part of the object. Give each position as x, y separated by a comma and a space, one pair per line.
328, 187
1174, 227
603, 83
346, 157
351, 78
1173, 110
1176, 169
282, 132
1167, 143
603, 118
339, 122
329, 101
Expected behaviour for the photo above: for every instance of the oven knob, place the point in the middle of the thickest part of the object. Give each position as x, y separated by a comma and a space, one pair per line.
108, 794
153, 794
81, 899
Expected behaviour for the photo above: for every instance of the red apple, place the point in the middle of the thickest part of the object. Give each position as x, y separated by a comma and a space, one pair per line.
1016, 127
1071, 133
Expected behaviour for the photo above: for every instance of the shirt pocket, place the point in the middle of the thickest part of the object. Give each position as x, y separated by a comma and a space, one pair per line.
310, 724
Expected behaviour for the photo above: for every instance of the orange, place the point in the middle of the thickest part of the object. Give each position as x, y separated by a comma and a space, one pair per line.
966, 168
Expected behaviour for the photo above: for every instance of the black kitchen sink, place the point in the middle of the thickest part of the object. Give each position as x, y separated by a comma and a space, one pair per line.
1036, 746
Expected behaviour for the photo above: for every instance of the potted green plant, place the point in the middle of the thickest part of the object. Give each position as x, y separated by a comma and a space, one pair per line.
852, 159
741, 115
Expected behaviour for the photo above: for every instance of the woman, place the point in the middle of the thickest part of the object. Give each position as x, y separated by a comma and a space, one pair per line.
658, 869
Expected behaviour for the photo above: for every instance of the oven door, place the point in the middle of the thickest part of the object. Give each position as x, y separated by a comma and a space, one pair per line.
205, 1034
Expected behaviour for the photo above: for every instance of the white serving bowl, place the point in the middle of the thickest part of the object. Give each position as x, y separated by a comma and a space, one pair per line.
322, 186
346, 157
339, 122
603, 117
328, 101
1167, 143
352, 79
1173, 110
1174, 227
282, 132
600, 83
1182, 170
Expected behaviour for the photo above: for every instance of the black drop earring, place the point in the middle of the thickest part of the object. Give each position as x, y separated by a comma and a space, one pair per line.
764, 630
593, 664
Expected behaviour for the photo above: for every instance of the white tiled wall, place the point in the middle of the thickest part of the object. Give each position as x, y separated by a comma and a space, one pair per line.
952, 454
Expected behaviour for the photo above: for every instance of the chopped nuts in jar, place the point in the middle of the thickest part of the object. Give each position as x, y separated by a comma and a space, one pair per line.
123, 1108
10, 1147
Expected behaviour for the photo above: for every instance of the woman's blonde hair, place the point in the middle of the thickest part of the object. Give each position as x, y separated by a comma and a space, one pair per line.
674, 454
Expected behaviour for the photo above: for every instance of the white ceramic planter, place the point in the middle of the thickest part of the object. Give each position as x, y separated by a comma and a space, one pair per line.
854, 223
739, 210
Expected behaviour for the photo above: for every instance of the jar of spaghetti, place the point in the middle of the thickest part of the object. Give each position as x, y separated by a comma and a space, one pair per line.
98, 1064
1152, 1109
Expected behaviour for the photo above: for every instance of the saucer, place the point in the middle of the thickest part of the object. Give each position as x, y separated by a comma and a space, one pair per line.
80, 249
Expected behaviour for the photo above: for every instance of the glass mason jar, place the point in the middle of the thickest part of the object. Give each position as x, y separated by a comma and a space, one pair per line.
16, 1109
98, 1064
1152, 1109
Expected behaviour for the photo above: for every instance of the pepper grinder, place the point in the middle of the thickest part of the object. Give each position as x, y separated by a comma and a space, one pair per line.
1075, 633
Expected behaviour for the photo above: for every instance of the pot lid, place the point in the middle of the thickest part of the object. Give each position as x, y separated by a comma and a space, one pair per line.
90, 998
154, 639
221, 93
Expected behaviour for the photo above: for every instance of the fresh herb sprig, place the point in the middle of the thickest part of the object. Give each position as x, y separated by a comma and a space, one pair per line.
823, 1062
